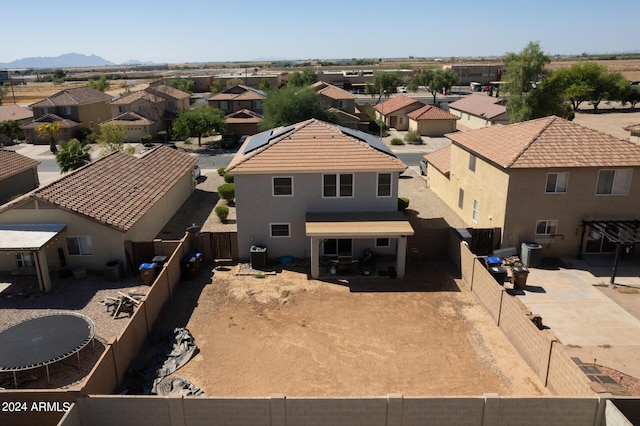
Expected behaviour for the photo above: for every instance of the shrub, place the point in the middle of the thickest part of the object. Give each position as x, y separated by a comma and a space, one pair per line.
413, 137
221, 171
228, 177
82, 133
145, 139
397, 141
227, 191
92, 138
222, 212
162, 136
403, 203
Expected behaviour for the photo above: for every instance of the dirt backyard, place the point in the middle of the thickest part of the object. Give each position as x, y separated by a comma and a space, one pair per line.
287, 334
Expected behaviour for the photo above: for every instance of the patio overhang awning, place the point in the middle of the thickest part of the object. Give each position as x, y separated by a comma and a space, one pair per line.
28, 237
358, 225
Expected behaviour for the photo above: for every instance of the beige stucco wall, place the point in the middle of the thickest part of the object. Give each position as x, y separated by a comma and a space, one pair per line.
18, 184
92, 115
432, 128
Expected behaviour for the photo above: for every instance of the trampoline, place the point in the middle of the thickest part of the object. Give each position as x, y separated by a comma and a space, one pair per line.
41, 341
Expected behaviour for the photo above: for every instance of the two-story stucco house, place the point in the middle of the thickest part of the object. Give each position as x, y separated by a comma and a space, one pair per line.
341, 101
140, 112
318, 190
545, 181
479, 110
72, 108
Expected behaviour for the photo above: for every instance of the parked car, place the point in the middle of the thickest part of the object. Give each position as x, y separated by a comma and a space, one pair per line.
228, 141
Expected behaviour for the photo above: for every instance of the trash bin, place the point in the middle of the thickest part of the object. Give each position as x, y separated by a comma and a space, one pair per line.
113, 271
189, 265
499, 273
147, 273
531, 254
159, 261
258, 256
493, 261
519, 275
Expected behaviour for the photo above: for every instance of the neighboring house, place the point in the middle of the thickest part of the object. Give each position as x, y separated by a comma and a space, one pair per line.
432, 121
634, 131
394, 111
17, 113
335, 97
176, 101
141, 113
478, 110
18, 175
322, 191
538, 181
243, 122
89, 213
136, 125
74, 108
237, 98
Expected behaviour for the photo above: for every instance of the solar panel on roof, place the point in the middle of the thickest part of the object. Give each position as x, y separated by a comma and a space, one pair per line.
373, 141
261, 139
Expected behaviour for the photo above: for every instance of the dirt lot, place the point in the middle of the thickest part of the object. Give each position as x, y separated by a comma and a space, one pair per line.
287, 334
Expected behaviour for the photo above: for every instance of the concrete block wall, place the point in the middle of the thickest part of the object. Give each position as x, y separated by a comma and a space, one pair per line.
227, 411
336, 411
103, 378
487, 290
557, 411
443, 411
124, 410
565, 377
622, 412
534, 345
467, 263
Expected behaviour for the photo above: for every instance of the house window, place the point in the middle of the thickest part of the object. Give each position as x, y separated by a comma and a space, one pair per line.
256, 104
24, 260
472, 162
67, 110
334, 247
384, 184
460, 198
91, 124
614, 182
45, 111
341, 104
80, 246
476, 208
122, 109
383, 242
338, 185
282, 186
557, 183
546, 227
280, 230
400, 120
224, 105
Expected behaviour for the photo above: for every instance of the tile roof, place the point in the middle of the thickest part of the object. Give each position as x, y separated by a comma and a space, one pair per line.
239, 93
134, 96
14, 163
116, 190
131, 119
634, 129
430, 112
14, 113
74, 96
397, 103
313, 146
548, 142
65, 123
331, 91
243, 116
440, 159
480, 105
171, 92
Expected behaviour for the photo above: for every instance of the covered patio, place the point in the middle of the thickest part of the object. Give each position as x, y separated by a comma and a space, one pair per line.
31, 238
357, 226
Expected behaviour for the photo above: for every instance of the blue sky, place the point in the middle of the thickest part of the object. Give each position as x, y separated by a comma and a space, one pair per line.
225, 30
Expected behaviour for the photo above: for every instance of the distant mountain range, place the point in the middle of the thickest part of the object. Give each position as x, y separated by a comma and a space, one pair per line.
68, 60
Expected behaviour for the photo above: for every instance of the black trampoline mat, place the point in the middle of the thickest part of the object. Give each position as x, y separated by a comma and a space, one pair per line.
43, 340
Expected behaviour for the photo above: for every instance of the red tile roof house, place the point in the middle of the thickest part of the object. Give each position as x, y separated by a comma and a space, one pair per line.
140, 112
315, 190
341, 101
18, 175
237, 98
90, 212
73, 108
432, 121
478, 110
394, 111
548, 181
15, 113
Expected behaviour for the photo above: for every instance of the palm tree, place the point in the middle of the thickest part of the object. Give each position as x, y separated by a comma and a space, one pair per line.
50, 130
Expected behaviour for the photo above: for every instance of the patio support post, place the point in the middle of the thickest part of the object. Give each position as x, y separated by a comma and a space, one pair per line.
614, 270
315, 258
42, 270
401, 256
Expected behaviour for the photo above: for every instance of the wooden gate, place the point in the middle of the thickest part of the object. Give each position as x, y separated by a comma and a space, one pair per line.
224, 245
138, 252
484, 240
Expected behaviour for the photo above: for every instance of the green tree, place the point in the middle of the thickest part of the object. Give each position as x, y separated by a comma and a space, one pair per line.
101, 84
234, 82
3, 92
216, 86
302, 78
384, 84
73, 155
111, 139
264, 85
292, 104
435, 79
522, 72
50, 130
631, 95
198, 122
183, 84
10, 130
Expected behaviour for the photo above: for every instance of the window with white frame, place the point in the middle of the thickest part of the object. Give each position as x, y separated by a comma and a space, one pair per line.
24, 260
557, 183
384, 184
546, 227
224, 105
280, 230
461, 198
337, 185
614, 181
122, 109
472, 162
383, 242
476, 209
80, 246
282, 186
